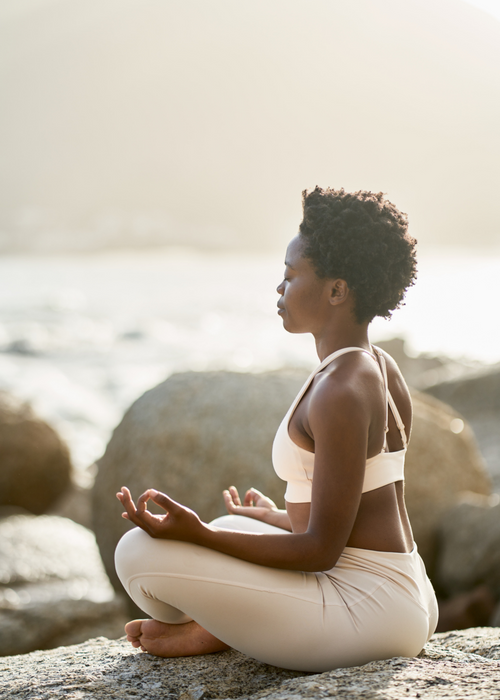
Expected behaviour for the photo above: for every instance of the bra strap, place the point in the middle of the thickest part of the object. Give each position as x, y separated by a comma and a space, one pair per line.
389, 402
383, 368
399, 422
338, 353
321, 366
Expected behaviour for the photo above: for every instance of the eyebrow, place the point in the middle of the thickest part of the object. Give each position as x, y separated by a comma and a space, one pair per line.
289, 265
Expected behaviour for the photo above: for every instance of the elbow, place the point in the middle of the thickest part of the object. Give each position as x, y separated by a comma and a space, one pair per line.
321, 559
320, 564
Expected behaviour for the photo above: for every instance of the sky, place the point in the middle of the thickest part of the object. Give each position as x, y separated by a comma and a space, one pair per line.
141, 122
492, 7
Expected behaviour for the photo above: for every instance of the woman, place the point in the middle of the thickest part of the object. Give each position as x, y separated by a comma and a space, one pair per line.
335, 580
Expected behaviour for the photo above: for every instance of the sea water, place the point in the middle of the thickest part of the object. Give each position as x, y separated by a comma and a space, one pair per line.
82, 336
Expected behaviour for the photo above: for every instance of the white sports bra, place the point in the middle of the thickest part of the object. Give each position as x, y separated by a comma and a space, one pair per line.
295, 465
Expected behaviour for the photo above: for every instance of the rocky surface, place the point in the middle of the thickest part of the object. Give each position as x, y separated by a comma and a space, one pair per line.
469, 546
36, 468
197, 433
53, 587
462, 664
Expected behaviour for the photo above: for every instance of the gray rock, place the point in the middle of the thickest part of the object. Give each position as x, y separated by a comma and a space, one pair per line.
495, 618
477, 398
35, 464
441, 464
53, 587
197, 433
463, 664
75, 504
193, 436
469, 545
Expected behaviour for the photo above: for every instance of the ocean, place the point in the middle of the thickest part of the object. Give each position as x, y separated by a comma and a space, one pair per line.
82, 336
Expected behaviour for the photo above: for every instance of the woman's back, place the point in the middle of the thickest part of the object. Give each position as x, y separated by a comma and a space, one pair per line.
382, 522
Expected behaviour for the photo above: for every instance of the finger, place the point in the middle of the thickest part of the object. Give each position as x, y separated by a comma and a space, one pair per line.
142, 501
162, 500
230, 504
127, 501
235, 495
126, 495
145, 520
250, 497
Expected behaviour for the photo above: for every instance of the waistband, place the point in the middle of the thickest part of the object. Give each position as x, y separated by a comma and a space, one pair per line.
386, 564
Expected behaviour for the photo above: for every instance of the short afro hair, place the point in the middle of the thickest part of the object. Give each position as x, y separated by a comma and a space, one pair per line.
362, 238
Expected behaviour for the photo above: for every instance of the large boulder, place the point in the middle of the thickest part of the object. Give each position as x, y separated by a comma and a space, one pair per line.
197, 433
443, 461
477, 397
53, 587
193, 436
469, 546
462, 664
35, 468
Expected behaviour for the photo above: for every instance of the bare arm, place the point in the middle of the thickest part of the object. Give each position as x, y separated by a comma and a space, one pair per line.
339, 421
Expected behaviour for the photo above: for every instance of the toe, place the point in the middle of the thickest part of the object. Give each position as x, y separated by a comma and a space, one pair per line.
133, 628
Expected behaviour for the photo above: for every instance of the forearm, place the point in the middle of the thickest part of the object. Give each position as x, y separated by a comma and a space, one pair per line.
298, 552
278, 518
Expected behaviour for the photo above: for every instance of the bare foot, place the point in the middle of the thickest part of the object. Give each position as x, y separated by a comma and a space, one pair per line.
162, 639
471, 609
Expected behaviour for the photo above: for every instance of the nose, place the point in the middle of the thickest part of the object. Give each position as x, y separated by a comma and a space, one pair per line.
281, 287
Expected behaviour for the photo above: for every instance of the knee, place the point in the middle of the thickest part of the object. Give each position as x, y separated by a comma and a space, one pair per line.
128, 551
227, 522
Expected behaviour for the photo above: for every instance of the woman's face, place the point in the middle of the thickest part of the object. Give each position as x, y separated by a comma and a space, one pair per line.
304, 298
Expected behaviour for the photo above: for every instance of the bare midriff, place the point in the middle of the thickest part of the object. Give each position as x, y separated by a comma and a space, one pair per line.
381, 524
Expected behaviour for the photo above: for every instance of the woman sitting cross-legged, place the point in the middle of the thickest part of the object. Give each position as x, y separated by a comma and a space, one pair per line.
336, 579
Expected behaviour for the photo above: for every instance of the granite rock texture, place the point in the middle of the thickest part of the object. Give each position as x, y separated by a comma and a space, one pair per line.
198, 432
469, 546
36, 468
53, 587
463, 664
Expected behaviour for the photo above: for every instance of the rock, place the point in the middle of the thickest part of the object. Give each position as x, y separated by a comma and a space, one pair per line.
193, 436
443, 461
53, 587
75, 504
469, 546
477, 398
35, 464
462, 664
495, 618
197, 433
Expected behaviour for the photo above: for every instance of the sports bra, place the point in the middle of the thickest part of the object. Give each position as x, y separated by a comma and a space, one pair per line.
295, 465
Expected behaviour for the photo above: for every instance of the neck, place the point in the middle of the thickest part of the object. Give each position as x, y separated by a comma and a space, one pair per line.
333, 339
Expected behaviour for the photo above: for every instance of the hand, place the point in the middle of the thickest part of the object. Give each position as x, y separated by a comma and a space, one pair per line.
255, 504
179, 523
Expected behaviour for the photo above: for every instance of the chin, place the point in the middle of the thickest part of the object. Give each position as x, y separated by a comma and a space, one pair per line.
289, 327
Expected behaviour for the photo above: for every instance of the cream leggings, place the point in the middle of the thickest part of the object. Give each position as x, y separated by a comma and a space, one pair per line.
371, 605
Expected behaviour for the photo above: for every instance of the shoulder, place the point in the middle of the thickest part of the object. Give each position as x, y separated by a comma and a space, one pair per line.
396, 380
345, 386
398, 387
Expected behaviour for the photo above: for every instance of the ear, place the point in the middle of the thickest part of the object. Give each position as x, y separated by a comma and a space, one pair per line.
339, 292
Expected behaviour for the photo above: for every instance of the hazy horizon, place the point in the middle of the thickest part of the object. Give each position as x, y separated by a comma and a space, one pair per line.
144, 122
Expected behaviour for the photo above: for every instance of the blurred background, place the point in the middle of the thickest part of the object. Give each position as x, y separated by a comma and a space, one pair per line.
153, 155
153, 158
